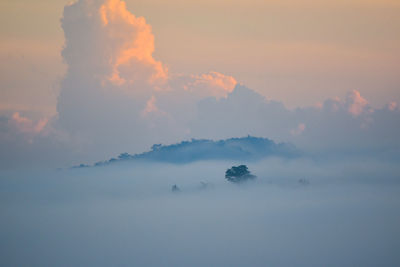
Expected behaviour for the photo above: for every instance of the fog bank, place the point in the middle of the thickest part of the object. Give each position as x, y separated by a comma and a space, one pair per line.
126, 215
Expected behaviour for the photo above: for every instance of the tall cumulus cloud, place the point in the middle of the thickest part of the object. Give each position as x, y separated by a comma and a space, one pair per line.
114, 84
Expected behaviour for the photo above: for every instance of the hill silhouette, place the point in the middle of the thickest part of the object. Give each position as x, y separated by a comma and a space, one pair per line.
245, 148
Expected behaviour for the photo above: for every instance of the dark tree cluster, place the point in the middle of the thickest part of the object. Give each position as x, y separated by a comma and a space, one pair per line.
175, 189
238, 174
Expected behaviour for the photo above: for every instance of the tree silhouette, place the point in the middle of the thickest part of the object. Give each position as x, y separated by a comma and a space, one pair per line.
175, 188
238, 174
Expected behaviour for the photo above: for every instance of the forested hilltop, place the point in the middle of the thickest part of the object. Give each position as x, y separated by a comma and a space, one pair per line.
245, 148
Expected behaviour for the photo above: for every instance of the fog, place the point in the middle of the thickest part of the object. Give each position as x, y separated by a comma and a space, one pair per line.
125, 214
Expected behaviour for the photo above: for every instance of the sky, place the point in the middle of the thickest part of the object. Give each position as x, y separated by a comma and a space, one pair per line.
85, 80
297, 52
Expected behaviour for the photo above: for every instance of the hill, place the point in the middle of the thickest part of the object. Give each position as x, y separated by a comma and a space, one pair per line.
246, 148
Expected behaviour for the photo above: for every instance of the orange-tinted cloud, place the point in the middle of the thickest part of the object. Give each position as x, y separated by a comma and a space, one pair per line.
211, 84
26, 125
135, 46
152, 108
107, 42
355, 103
114, 47
114, 82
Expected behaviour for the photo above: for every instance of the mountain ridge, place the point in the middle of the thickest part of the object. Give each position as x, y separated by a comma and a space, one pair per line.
248, 148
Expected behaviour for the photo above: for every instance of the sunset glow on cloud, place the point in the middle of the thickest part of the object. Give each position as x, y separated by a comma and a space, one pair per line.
26, 125
116, 84
213, 84
120, 23
356, 103
121, 44
120, 51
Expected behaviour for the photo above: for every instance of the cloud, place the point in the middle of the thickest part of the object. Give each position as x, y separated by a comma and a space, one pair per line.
105, 40
26, 125
113, 48
32, 143
112, 77
299, 130
348, 125
135, 45
392, 106
115, 87
116, 97
355, 103
152, 108
212, 84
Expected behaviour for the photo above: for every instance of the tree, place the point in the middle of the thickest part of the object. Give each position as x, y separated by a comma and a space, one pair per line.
238, 174
175, 188
156, 147
124, 156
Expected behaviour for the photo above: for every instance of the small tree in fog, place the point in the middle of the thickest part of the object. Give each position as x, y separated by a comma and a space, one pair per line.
175, 188
238, 174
